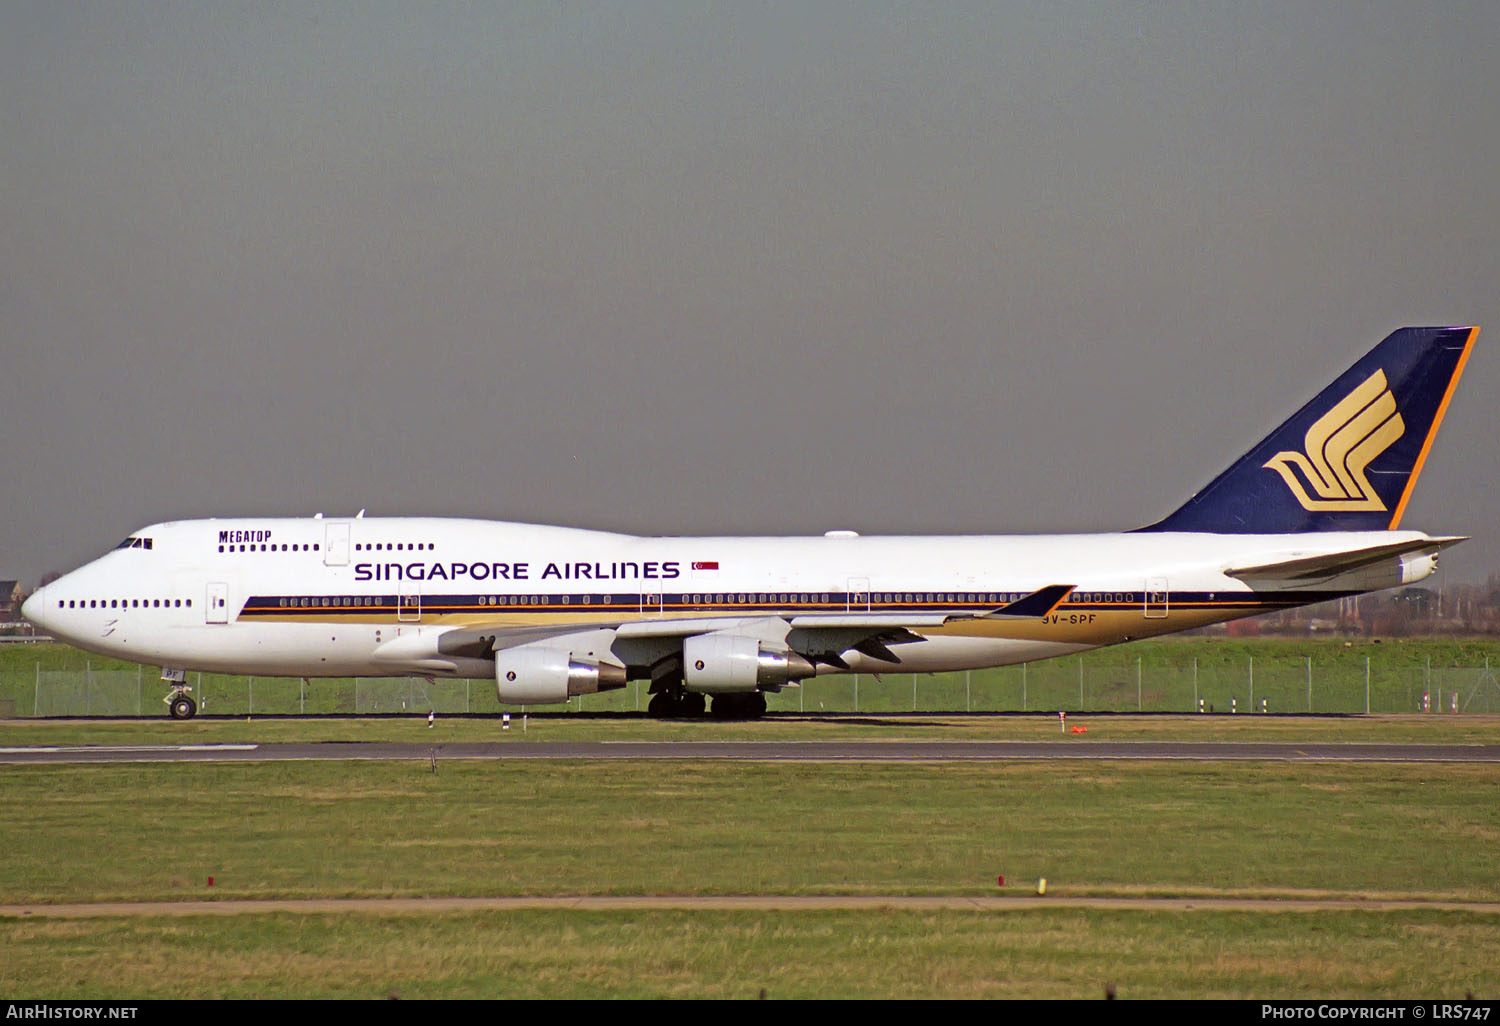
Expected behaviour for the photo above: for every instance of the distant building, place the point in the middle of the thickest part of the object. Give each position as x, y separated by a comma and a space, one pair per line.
10, 601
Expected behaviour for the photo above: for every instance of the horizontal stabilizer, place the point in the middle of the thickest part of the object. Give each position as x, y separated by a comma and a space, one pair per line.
1334, 563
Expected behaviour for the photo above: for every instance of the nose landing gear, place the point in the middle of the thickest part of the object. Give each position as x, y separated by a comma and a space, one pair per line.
180, 704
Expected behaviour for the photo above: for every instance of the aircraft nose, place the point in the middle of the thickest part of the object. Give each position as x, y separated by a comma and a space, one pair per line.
32, 608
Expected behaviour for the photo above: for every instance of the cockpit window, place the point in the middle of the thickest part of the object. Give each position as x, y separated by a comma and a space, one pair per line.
134, 543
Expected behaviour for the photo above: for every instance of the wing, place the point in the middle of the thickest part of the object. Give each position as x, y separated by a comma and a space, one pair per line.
639, 644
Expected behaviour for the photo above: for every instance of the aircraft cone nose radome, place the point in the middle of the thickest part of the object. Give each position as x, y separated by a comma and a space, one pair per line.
32, 608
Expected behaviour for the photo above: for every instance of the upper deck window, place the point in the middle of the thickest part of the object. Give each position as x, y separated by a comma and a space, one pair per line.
134, 543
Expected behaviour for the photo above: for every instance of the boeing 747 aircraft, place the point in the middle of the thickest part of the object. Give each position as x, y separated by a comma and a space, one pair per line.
1310, 513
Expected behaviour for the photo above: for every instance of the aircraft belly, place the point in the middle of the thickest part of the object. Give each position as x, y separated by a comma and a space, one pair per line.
1094, 625
946, 654
284, 650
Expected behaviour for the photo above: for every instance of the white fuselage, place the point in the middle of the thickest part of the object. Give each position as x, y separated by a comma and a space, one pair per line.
370, 596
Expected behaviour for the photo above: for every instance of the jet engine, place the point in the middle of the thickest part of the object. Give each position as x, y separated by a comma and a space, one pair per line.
543, 675
721, 664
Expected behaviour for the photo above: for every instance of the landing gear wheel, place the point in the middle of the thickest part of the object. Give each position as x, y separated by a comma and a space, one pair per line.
673, 705
740, 707
182, 708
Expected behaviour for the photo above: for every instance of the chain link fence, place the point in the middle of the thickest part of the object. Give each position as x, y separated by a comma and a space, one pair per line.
1273, 685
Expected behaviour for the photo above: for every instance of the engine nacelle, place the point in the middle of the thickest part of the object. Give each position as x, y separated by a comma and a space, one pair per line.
721, 664
542, 675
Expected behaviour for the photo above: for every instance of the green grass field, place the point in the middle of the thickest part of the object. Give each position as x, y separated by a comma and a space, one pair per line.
487, 828
531, 954
1200, 831
157, 831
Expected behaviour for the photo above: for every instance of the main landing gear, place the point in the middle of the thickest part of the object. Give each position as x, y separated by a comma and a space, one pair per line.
677, 703
180, 704
750, 706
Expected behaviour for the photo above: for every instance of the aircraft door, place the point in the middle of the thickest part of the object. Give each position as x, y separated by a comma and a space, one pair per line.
1156, 598
651, 601
409, 603
336, 545
216, 604
858, 600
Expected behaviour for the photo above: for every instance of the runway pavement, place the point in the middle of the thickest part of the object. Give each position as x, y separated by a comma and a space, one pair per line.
760, 751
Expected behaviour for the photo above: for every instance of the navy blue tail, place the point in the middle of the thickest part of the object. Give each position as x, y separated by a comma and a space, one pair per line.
1347, 461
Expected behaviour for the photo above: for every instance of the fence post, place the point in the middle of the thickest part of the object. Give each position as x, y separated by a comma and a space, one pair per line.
1197, 702
914, 692
856, 692
967, 707
1080, 683
36, 695
1023, 687
1309, 683
140, 689
1137, 683
1367, 685
1252, 682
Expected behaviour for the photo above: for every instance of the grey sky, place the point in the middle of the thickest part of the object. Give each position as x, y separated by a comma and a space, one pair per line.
702, 268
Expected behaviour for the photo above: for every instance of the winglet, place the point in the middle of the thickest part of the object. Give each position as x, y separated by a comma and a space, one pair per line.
1038, 603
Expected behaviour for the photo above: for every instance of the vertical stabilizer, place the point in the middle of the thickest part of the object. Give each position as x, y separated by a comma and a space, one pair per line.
1348, 460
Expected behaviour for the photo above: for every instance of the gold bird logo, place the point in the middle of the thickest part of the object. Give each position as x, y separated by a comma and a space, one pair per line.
1340, 445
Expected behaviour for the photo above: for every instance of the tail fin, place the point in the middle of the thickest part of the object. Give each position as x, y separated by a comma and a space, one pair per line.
1348, 460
